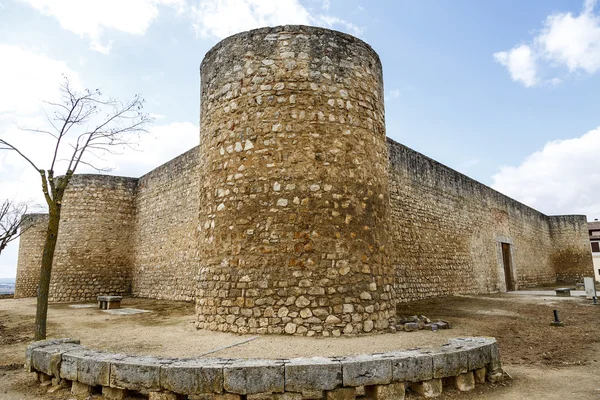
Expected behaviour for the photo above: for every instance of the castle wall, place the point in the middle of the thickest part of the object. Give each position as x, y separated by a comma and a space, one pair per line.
294, 203
93, 251
165, 242
571, 253
31, 248
448, 230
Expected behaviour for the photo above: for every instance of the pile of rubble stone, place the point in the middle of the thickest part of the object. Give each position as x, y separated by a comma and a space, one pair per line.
419, 322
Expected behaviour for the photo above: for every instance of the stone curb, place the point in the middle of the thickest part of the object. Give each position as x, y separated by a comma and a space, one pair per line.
67, 361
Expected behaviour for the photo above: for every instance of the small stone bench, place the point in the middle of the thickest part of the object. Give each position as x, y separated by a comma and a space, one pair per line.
563, 292
461, 363
109, 302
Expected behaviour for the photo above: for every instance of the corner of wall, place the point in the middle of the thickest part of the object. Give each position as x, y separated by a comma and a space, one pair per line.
571, 255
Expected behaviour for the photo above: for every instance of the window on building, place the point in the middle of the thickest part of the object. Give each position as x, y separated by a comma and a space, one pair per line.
595, 247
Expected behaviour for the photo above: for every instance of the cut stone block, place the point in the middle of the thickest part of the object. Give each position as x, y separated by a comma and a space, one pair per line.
81, 389
227, 396
449, 361
43, 343
495, 364
194, 376
165, 396
410, 365
465, 382
479, 375
113, 393
287, 396
47, 359
479, 350
318, 373
254, 376
430, 388
365, 370
87, 366
136, 373
393, 391
340, 394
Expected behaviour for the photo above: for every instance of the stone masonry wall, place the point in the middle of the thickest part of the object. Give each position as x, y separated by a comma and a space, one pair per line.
448, 230
31, 248
571, 254
294, 203
93, 252
165, 242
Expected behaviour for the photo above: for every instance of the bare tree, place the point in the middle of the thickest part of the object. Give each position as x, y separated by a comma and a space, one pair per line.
84, 125
11, 213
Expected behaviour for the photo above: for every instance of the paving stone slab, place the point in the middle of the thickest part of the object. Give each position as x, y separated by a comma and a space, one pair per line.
193, 376
254, 376
125, 311
316, 373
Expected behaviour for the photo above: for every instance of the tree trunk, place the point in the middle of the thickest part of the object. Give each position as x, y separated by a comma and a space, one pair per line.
45, 273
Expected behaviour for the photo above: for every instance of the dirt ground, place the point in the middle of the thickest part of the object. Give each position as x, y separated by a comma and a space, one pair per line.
545, 362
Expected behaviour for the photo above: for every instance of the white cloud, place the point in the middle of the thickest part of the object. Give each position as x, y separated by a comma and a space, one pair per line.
520, 64
565, 41
559, 179
90, 18
222, 18
26, 77
392, 95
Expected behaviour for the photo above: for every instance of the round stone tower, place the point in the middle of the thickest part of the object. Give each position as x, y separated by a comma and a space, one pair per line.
294, 202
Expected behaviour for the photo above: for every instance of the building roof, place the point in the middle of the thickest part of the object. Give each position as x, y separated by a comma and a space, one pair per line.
593, 226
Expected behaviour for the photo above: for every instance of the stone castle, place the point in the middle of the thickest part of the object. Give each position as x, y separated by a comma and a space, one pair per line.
296, 214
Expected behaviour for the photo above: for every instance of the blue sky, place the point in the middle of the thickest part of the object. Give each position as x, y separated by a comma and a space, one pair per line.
503, 91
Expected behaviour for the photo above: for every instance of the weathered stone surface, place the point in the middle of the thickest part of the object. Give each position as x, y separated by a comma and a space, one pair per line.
44, 343
366, 370
254, 376
81, 389
392, 391
430, 388
317, 373
194, 376
340, 394
227, 396
295, 197
87, 366
479, 350
164, 396
113, 393
465, 382
136, 373
47, 359
480, 374
411, 365
449, 361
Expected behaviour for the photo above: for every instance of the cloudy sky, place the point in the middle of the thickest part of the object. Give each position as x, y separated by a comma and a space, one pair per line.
506, 92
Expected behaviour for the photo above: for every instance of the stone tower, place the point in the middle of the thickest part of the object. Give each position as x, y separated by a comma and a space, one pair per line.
294, 202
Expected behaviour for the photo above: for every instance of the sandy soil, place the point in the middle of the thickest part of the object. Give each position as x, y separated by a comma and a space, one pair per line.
545, 362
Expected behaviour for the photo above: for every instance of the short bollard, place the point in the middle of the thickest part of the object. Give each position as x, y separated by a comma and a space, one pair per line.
556, 321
